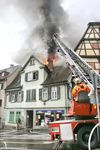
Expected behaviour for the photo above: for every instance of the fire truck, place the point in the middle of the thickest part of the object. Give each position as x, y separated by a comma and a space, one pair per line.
86, 110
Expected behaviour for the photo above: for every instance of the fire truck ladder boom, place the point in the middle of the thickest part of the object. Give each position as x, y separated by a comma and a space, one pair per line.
78, 66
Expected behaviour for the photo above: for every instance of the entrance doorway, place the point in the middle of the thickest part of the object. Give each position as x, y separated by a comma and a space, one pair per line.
29, 119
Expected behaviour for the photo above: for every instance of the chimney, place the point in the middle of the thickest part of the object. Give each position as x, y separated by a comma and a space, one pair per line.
50, 59
11, 65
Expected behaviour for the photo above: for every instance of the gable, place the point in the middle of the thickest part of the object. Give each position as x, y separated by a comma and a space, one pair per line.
32, 61
89, 45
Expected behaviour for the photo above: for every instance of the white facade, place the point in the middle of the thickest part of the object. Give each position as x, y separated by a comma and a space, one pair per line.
32, 110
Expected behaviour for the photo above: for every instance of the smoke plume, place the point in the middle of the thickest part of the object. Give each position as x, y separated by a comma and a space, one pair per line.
45, 17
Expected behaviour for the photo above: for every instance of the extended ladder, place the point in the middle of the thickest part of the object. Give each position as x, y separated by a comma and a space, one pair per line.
77, 64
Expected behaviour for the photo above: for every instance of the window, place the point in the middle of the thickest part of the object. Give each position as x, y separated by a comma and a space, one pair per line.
3, 74
18, 115
50, 93
44, 94
20, 96
30, 76
31, 95
11, 117
13, 96
32, 62
54, 93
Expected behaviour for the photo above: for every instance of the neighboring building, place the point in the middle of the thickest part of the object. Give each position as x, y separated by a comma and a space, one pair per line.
37, 95
89, 46
6, 77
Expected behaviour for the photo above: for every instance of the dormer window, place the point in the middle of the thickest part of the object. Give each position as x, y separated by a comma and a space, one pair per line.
3, 74
31, 76
32, 62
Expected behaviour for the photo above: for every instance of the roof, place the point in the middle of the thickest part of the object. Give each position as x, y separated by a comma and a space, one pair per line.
16, 83
5, 73
94, 23
59, 75
32, 56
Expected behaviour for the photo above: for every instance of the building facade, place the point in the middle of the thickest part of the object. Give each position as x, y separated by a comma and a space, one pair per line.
6, 77
38, 96
89, 46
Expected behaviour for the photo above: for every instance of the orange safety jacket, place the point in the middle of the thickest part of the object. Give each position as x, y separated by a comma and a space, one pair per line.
80, 87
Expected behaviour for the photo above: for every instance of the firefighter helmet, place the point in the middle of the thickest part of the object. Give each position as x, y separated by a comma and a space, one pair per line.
78, 80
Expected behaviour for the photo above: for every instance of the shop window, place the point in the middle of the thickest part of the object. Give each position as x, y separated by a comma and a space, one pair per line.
18, 115
31, 76
44, 94
31, 95
11, 117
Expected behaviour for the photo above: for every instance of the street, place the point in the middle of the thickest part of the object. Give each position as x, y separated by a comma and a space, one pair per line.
25, 139
36, 139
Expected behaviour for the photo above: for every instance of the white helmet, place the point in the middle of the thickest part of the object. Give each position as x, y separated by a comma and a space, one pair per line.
78, 80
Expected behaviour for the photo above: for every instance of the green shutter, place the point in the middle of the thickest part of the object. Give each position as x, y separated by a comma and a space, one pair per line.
18, 115
11, 117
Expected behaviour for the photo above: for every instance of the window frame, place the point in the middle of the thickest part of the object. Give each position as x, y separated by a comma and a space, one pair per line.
44, 94
54, 93
31, 95
33, 77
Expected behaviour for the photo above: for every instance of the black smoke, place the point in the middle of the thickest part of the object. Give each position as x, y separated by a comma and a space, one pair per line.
45, 17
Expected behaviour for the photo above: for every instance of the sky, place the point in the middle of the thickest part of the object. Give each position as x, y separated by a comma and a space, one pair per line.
20, 22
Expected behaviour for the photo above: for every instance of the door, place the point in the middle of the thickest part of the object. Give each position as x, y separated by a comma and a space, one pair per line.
29, 119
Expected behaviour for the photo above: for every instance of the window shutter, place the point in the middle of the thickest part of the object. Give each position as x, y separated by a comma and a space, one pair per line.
34, 94
36, 75
58, 92
16, 96
9, 96
22, 95
28, 95
49, 93
40, 94
26, 77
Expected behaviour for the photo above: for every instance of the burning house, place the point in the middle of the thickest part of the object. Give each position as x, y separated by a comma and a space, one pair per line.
38, 94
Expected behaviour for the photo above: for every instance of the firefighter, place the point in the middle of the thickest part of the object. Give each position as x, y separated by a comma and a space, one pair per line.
80, 86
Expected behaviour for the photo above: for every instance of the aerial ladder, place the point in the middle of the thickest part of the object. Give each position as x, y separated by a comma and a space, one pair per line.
86, 114
81, 69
